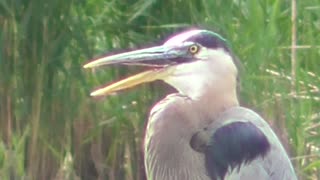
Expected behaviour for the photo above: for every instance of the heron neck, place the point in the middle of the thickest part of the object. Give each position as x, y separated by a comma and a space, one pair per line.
216, 100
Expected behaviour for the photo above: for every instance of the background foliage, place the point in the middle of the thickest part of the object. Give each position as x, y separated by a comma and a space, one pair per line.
51, 129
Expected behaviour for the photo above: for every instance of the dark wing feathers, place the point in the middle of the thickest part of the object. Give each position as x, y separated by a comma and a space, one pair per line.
230, 146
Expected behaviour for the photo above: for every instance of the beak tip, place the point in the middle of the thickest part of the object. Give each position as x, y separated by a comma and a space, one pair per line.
94, 94
86, 66
99, 92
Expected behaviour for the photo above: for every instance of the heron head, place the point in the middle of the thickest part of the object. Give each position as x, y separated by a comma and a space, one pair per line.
189, 61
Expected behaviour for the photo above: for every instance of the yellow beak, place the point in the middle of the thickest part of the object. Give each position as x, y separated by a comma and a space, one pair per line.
144, 77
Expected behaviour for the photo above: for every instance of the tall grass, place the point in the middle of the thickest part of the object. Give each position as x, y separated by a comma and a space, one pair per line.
51, 129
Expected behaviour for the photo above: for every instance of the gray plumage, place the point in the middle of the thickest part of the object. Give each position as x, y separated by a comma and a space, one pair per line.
201, 132
181, 161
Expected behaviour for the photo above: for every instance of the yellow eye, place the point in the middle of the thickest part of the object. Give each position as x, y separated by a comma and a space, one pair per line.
193, 49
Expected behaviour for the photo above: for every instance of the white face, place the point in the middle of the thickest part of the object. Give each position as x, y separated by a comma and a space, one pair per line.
214, 69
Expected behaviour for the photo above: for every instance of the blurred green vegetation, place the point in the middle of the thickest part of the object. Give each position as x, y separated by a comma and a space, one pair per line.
51, 129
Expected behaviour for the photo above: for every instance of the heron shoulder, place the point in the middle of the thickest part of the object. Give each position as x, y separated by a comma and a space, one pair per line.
233, 145
237, 140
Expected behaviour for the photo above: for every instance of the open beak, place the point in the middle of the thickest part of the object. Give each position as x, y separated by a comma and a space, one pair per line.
161, 58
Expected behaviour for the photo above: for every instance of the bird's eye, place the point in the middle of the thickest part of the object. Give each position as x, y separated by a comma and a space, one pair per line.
194, 49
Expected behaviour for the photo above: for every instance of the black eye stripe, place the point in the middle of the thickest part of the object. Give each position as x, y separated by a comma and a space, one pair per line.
208, 40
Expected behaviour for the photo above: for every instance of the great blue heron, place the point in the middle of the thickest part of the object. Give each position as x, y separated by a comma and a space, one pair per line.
200, 132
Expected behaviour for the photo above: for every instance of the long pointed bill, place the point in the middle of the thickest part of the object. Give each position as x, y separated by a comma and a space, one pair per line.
160, 54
